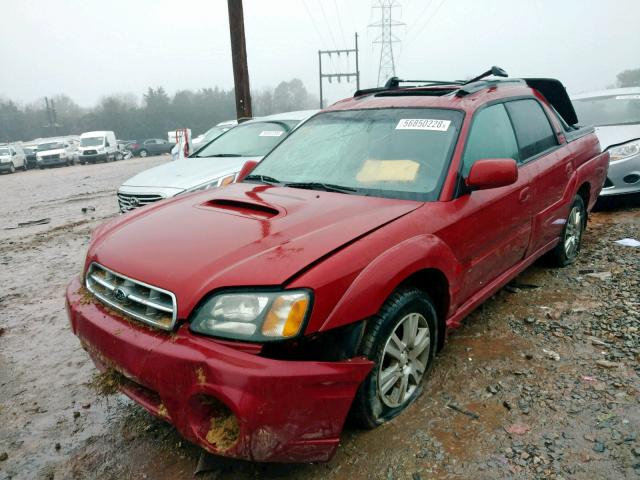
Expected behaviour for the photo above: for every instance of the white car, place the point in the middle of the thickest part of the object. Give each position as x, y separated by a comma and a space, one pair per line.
615, 114
214, 165
12, 157
60, 151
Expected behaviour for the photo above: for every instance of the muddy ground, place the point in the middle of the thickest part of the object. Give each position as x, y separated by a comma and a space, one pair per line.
546, 371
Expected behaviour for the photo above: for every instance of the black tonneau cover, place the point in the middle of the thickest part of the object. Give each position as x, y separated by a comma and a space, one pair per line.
556, 95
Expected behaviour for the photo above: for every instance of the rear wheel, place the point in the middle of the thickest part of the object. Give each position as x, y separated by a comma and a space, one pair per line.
402, 341
567, 250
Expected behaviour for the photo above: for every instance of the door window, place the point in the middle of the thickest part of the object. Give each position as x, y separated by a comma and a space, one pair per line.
491, 137
533, 130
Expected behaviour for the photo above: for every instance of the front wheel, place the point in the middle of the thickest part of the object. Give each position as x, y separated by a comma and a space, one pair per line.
567, 250
12, 168
401, 340
143, 153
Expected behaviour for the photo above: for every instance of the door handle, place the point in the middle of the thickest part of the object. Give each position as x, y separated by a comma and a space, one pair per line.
524, 195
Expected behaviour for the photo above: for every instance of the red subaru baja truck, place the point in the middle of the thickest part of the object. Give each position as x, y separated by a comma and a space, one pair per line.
255, 317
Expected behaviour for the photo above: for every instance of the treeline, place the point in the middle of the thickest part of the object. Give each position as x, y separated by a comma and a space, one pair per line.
152, 116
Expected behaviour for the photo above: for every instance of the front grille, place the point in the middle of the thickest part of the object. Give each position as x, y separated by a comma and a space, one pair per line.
129, 202
51, 157
149, 304
90, 152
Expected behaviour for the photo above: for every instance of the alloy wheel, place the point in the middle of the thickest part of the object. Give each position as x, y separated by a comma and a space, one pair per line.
573, 232
404, 360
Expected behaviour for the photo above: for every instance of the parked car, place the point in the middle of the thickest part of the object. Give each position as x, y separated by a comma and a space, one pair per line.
11, 157
616, 116
30, 152
213, 165
98, 146
150, 146
255, 317
56, 152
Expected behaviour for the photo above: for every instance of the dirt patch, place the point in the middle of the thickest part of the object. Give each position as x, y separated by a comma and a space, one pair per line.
107, 382
224, 431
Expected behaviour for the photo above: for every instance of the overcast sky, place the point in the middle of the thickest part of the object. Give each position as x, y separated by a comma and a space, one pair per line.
91, 48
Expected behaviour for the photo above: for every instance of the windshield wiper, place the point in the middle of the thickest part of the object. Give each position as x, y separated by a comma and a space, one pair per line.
327, 187
220, 155
263, 178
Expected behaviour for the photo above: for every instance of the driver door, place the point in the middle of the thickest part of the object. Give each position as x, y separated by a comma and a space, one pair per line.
493, 230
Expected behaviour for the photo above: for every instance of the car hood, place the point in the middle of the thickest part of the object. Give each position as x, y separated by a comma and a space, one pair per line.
237, 236
51, 152
187, 173
615, 134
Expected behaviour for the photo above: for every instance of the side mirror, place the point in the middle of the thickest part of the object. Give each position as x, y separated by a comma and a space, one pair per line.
492, 173
107, 144
246, 170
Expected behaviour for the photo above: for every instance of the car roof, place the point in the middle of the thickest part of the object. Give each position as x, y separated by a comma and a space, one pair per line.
461, 96
607, 93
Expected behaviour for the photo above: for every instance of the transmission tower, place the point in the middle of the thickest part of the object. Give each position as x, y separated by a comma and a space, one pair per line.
386, 39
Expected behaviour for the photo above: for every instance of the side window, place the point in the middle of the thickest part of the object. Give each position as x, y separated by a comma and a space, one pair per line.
491, 137
532, 126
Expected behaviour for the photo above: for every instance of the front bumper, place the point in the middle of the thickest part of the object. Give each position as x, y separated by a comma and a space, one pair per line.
5, 166
48, 162
623, 177
285, 411
99, 157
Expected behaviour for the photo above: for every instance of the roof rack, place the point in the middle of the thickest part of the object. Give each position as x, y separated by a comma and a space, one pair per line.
394, 83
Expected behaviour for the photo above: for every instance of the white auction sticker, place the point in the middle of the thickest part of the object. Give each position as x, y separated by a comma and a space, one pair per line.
423, 124
271, 133
628, 97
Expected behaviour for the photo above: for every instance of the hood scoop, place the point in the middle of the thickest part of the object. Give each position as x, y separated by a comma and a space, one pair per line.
257, 211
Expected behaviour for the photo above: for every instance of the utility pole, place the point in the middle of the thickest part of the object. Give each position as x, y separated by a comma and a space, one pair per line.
239, 57
51, 116
386, 39
339, 75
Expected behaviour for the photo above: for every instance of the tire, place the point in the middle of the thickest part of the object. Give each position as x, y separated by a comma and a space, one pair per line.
119, 156
374, 403
567, 250
143, 153
12, 168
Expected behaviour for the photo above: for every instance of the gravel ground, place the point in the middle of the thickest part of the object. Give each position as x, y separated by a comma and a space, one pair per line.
543, 378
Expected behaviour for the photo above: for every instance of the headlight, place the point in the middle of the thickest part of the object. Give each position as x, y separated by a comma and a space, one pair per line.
257, 316
218, 182
625, 150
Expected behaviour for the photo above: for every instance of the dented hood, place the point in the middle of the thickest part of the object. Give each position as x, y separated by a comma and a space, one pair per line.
241, 235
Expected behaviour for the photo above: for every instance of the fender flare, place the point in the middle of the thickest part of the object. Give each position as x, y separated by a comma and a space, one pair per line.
373, 284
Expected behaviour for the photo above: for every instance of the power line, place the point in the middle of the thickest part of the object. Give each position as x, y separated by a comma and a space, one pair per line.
418, 18
326, 20
435, 12
335, 4
304, 2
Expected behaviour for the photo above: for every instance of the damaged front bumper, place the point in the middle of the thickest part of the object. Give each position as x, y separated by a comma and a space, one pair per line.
230, 402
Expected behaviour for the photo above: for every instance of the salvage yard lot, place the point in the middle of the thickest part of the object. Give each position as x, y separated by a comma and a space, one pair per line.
541, 381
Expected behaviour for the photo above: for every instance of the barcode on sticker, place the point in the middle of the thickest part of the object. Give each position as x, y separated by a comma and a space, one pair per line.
628, 97
423, 124
271, 133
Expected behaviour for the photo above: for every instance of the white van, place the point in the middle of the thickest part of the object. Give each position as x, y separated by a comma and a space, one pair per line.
98, 146
12, 157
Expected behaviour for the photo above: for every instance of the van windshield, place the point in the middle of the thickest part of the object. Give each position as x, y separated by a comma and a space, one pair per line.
4, 151
396, 153
91, 141
50, 146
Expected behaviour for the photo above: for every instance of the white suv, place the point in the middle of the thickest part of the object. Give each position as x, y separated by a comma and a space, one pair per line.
12, 157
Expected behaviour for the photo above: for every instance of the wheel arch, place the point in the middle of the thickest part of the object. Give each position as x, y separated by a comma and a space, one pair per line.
435, 284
